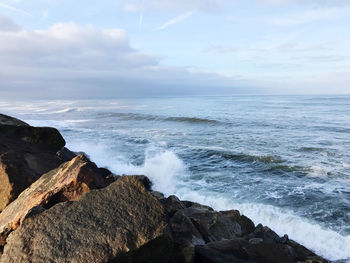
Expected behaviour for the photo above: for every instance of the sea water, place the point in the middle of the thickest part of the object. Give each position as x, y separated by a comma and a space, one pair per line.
284, 161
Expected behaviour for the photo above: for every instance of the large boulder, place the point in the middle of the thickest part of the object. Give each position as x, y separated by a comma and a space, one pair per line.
25, 154
120, 223
66, 183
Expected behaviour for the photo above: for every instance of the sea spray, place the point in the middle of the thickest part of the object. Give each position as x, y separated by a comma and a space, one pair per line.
167, 172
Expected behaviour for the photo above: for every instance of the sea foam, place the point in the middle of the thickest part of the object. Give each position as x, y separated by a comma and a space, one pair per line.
168, 173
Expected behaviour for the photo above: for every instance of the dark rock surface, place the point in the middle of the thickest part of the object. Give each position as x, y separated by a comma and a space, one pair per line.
25, 154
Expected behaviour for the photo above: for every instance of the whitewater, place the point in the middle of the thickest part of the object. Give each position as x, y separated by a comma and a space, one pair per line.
284, 161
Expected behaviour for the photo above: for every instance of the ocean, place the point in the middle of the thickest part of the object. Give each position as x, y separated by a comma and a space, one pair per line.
284, 161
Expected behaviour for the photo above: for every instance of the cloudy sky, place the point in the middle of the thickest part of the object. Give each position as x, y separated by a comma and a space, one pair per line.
122, 48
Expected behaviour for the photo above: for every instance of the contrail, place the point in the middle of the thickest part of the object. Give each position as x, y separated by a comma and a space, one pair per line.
9, 7
176, 19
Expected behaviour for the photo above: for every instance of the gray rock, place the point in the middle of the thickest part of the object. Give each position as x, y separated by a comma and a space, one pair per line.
247, 225
224, 251
212, 225
189, 204
172, 205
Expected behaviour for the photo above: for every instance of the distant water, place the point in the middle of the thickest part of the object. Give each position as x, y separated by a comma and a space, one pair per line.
284, 161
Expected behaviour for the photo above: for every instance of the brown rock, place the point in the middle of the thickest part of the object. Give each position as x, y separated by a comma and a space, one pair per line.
102, 226
25, 154
66, 183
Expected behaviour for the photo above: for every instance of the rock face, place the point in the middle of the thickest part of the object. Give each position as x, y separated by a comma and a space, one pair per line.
66, 183
25, 154
104, 225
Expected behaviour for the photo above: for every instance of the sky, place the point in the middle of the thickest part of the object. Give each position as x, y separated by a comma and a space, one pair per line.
137, 48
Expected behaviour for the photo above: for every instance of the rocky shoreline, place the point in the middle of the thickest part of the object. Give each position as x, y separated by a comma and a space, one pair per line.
57, 206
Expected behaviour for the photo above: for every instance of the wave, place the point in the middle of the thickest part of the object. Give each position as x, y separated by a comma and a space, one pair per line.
310, 149
168, 174
66, 110
148, 117
191, 120
243, 157
323, 241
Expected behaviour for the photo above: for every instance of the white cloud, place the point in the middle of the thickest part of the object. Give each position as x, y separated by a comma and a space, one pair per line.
176, 19
69, 60
71, 45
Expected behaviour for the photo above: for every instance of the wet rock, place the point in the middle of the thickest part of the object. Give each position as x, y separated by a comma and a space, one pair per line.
120, 220
66, 183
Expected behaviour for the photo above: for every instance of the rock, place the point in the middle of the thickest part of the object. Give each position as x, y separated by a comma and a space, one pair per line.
212, 225
45, 137
189, 204
261, 246
7, 120
185, 236
159, 196
66, 183
155, 251
172, 205
224, 251
25, 154
247, 225
302, 253
284, 239
314, 259
66, 155
265, 233
104, 225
